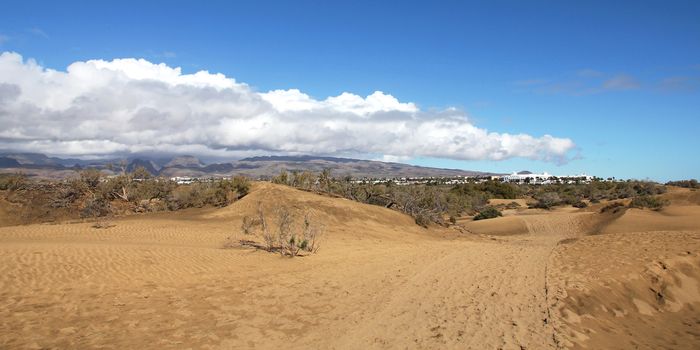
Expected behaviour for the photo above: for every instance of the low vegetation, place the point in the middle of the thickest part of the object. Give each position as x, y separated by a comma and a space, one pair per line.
488, 213
12, 182
92, 195
442, 204
284, 234
649, 202
692, 183
613, 207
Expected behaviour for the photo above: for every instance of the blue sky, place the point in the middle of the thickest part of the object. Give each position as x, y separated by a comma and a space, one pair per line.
621, 79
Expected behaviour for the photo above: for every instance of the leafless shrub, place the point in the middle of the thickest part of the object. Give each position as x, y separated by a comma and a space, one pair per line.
613, 207
267, 235
103, 223
311, 235
95, 208
248, 225
283, 236
286, 237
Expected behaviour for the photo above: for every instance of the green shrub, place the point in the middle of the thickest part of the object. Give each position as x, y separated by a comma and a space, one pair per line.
488, 213
499, 189
651, 202
547, 200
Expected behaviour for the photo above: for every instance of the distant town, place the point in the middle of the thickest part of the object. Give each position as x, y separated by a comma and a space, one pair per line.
523, 177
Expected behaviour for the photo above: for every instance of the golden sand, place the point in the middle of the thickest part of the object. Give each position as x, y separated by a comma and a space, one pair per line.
534, 280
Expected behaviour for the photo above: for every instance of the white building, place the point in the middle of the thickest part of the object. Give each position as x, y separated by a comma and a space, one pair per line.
181, 180
545, 178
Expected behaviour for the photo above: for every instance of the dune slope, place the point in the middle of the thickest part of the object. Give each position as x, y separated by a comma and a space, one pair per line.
379, 281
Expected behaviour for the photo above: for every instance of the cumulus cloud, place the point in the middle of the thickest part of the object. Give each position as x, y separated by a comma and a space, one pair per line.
129, 105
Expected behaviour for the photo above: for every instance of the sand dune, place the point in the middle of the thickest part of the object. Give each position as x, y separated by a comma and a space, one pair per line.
629, 290
378, 282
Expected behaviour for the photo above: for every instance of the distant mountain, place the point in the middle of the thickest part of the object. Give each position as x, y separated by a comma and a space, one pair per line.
271, 166
150, 166
33, 159
6, 162
184, 162
255, 167
298, 159
42, 160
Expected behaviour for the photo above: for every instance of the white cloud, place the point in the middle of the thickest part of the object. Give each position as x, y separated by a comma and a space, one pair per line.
621, 82
393, 159
132, 105
38, 32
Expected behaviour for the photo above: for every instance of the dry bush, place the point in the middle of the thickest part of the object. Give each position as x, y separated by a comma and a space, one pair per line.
267, 235
95, 208
248, 225
283, 236
286, 237
13, 182
422, 219
579, 204
613, 207
692, 183
547, 200
487, 213
512, 205
292, 239
651, 202
311, 235
102, 223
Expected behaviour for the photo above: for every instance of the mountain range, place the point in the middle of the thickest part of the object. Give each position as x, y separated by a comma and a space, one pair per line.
256, 167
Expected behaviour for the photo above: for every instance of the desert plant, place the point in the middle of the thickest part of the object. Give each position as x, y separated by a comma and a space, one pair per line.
101, 222
512, 205
311, 234
499, 189
692, 183
488, 213
325, 179
422, 219
95, 208
282, 178
13, 182
247, 225
547, 200
579, 204
613, 207
651, 202
286, 237
267, 235
90, 178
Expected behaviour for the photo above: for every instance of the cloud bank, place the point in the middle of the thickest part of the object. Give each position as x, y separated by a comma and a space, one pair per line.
130, 105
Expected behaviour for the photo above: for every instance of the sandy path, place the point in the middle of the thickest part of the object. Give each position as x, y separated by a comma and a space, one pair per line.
105, 289
380, 281
163, 281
